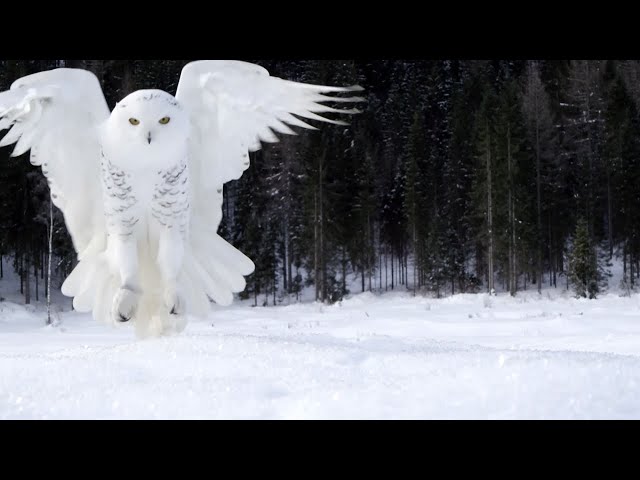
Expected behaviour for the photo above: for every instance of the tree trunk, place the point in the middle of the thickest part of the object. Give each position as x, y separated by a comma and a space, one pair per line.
35, 274
539, 198
127, 79
323, 265
379, 265
27, 280
316, 264
344, 270
512, 226
552, 257
46, 277
289, 259
392, 267
609, 214
369, 250
21, 262
489, 214
286, 279
405, 265
399, 268
415, 258
386, 272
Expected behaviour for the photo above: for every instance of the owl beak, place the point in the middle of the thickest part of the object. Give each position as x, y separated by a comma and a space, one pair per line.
149, 138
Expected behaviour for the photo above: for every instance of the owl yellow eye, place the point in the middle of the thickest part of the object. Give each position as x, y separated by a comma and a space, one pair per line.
134, 121
164, 120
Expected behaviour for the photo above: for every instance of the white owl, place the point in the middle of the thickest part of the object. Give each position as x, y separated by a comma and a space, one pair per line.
141, 187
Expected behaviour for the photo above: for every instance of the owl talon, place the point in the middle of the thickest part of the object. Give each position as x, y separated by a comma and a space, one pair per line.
177, 308
173, 302
125, 305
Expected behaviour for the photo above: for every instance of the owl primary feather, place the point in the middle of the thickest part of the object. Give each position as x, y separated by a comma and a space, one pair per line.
140, 187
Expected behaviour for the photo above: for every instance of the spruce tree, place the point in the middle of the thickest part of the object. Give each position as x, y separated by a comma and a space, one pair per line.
414, 196
583, 263
541, 135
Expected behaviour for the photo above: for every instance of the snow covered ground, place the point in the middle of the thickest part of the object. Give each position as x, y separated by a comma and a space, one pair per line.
388, 356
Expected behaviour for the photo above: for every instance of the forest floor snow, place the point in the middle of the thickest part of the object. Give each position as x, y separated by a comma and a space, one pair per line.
391, 356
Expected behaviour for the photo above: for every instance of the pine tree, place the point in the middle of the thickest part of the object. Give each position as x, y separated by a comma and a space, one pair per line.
457, 183
514, 195
483, 189
583, 263
622, 159
584, 138
414, 196
540, 130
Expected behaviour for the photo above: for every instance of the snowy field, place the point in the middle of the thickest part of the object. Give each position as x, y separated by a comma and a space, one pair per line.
371, 357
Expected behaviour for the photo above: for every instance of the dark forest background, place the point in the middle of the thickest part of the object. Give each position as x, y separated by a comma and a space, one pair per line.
459, 176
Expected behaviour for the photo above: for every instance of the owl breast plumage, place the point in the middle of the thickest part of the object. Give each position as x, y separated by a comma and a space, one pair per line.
136, 200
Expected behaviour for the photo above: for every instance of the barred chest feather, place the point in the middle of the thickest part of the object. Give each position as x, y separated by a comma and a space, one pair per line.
134, 199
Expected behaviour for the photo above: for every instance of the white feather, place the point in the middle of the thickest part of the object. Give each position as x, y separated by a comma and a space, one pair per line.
236, 104
48, 112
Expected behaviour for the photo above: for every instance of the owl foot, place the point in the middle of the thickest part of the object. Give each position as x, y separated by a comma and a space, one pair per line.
125, 304
174, 302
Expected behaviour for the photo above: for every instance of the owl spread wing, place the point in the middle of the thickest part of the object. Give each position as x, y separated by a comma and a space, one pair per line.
56, 115
235, 106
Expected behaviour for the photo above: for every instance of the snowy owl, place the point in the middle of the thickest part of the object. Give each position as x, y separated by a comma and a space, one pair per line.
140, 187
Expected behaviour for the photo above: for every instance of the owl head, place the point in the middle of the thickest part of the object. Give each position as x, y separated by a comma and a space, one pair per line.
150, 121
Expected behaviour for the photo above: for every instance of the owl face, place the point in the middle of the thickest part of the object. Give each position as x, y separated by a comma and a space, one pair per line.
150, 120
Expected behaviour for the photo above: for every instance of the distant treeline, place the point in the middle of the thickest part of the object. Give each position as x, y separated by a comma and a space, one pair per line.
459, 176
